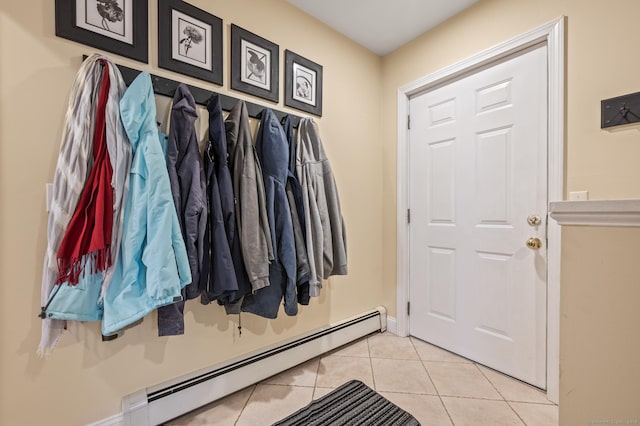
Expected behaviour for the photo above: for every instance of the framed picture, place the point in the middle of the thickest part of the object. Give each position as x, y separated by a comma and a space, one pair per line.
254, 64
303, 84
189, 41
117, 26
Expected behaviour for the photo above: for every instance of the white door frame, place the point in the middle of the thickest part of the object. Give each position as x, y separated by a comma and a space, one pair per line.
552, 34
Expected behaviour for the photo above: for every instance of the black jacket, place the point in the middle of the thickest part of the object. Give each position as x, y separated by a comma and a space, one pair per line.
294, 194
218, 279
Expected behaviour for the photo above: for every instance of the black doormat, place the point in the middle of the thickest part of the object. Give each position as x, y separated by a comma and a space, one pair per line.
353, 403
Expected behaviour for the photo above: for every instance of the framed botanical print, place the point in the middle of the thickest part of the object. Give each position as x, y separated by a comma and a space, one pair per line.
117, 26
254, 64
303, 84
189, 41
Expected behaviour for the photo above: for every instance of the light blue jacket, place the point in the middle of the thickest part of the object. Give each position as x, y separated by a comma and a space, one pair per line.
153, 266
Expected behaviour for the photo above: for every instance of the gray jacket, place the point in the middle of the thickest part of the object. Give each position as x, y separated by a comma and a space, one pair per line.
248, 191
326, 235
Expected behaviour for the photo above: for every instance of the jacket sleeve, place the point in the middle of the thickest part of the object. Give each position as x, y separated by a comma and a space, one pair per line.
202, 228
180, 251
194, 248
202, 223
265, 225
302, 261
315, 241
174, 180
337, 229
158, 254
256, 247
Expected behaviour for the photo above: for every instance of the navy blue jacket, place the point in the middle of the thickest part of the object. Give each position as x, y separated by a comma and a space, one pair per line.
218, 278
273, 152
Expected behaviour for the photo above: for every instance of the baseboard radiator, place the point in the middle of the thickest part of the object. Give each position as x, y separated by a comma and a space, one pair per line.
161, 403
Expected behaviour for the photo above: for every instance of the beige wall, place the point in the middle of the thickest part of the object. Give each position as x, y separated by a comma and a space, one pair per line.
600, 342
85, 378
599, 65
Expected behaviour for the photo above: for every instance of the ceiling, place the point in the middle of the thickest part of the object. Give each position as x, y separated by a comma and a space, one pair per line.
382, 25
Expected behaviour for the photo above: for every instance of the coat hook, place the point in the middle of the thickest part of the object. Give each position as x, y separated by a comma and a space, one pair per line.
624, 110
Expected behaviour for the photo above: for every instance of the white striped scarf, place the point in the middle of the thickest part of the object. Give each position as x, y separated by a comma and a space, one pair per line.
74, 164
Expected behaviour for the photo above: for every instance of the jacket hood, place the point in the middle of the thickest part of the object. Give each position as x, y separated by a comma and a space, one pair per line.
272, 147
183, 101
138, 108
182, 126
237, 126
309, 134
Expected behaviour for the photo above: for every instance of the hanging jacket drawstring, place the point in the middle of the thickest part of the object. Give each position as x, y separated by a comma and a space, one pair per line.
43, 311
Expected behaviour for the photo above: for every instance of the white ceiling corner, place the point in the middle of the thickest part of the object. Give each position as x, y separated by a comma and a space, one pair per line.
382, 26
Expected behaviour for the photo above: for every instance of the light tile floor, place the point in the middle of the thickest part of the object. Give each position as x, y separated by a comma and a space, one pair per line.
435, 386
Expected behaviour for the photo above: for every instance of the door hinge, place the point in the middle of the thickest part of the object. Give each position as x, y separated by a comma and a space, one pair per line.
408, 122
408, 215
408, 308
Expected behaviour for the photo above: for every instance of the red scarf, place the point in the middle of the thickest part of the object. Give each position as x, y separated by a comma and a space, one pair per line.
88, 236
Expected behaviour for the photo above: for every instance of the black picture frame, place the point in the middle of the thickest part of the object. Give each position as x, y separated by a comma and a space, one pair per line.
303, 84
117, 26
183, 27
254, 64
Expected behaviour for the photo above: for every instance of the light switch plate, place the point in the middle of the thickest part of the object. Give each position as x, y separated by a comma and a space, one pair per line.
579, 196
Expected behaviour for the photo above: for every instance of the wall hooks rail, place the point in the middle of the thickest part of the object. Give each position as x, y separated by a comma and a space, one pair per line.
167, 87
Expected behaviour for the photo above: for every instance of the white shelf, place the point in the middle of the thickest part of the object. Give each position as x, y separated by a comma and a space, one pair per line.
596, 212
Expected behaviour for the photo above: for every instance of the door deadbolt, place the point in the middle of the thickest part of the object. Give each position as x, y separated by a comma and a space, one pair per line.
534, 243
534, 220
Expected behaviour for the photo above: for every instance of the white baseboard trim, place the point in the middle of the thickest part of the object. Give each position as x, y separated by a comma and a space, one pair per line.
115, 420
176, 397
392, 325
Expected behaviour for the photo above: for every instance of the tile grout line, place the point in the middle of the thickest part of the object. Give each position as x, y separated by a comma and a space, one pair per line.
550, 404
475, 364
289, 386
478, 398
514, 410
373, 377
315, 382
245, 404
432, 382
520, 382
499, 393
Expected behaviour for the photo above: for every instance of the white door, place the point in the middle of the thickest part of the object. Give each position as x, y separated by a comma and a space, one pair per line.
478, 171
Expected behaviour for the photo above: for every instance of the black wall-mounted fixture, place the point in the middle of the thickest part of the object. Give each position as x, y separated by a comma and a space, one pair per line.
621, 110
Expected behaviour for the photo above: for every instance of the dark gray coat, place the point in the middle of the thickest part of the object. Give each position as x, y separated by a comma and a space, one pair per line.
186, 174
248, 191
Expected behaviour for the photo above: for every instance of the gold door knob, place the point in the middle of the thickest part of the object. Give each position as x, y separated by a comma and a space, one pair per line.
534, 220
534, 243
